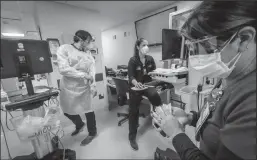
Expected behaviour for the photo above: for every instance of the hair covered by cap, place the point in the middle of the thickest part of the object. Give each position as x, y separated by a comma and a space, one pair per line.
212, 18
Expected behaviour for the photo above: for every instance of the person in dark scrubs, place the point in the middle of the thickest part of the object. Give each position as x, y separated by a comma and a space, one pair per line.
138, 68
224, 33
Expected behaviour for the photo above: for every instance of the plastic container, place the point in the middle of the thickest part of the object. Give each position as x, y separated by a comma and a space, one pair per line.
189, 97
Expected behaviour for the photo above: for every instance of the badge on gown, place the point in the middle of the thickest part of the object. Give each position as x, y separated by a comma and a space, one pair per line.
209, 107
203, 117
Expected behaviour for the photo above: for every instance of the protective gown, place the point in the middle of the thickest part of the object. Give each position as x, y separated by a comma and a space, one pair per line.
75, 95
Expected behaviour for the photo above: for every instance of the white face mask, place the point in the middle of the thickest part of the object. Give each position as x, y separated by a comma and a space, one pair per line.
144, 50
90, 46
210, 65
85, 45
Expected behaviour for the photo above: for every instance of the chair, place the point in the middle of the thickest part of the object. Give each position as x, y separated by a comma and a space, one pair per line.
122, 89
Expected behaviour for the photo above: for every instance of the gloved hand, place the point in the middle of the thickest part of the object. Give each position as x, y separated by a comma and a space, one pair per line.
139, 85
88, 79
183, 117
168, 124
93, 91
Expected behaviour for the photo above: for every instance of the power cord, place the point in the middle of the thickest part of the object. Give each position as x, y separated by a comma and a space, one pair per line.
6, 119
199, 89
8, 150
59, 141
7, 122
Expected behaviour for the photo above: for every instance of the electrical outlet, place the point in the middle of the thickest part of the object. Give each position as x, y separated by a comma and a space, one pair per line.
199, 88
207, 81
101, 96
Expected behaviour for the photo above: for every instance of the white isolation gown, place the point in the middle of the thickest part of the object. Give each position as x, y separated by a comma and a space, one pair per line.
75, 95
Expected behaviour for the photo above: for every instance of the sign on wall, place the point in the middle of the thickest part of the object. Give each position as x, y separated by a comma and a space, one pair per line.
53, 46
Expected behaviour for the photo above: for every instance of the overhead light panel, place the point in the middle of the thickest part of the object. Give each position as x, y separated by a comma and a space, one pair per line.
13, 34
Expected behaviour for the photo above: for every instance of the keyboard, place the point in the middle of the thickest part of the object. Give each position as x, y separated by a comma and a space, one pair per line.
28, 100
26, 97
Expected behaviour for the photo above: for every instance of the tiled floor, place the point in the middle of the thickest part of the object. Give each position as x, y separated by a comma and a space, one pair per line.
111, 143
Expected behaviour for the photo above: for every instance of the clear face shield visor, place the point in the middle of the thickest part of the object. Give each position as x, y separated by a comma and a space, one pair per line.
206, 45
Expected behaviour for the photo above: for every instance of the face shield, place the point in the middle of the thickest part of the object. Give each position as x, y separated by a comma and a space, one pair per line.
205, 56
88, 44
206, 45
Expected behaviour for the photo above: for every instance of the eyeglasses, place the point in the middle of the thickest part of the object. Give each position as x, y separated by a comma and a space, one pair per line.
88, 41
93, 39
206, 45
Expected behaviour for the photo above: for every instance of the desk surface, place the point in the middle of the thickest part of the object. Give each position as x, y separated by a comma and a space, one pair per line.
114, 86
123, 78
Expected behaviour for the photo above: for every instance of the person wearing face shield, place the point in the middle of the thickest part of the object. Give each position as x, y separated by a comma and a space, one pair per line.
138, 68
77, 85
221, 40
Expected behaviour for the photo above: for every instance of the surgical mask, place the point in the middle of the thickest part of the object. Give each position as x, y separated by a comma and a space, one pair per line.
211, 65
144, 50
85, 45
90, 45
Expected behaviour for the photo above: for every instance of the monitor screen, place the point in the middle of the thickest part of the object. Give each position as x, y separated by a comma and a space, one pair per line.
37, 50
171, 44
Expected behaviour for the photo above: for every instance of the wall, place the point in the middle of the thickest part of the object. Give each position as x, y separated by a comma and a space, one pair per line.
116, 53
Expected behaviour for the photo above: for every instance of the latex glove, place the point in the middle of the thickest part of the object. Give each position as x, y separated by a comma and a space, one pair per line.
183, 117
139, 85
167, 109
93, 91
169, 125
90, 78
162, 110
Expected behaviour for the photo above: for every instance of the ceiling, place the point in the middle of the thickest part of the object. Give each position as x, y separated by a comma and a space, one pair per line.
18, 6
111, 13
117, 12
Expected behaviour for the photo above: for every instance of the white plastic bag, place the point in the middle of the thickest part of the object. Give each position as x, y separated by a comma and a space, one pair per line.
52, 117
31, 127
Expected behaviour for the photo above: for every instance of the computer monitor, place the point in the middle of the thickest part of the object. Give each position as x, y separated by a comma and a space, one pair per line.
36, 52
171, 44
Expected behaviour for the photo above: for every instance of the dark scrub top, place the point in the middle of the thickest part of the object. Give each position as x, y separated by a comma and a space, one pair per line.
137, 71
230, 131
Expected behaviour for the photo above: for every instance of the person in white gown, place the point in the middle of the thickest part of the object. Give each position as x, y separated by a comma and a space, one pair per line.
77, 67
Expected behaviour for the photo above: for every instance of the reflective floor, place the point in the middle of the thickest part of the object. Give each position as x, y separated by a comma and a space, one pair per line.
111, 143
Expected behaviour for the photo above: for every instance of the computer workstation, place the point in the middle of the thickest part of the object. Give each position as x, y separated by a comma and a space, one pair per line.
23, 59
